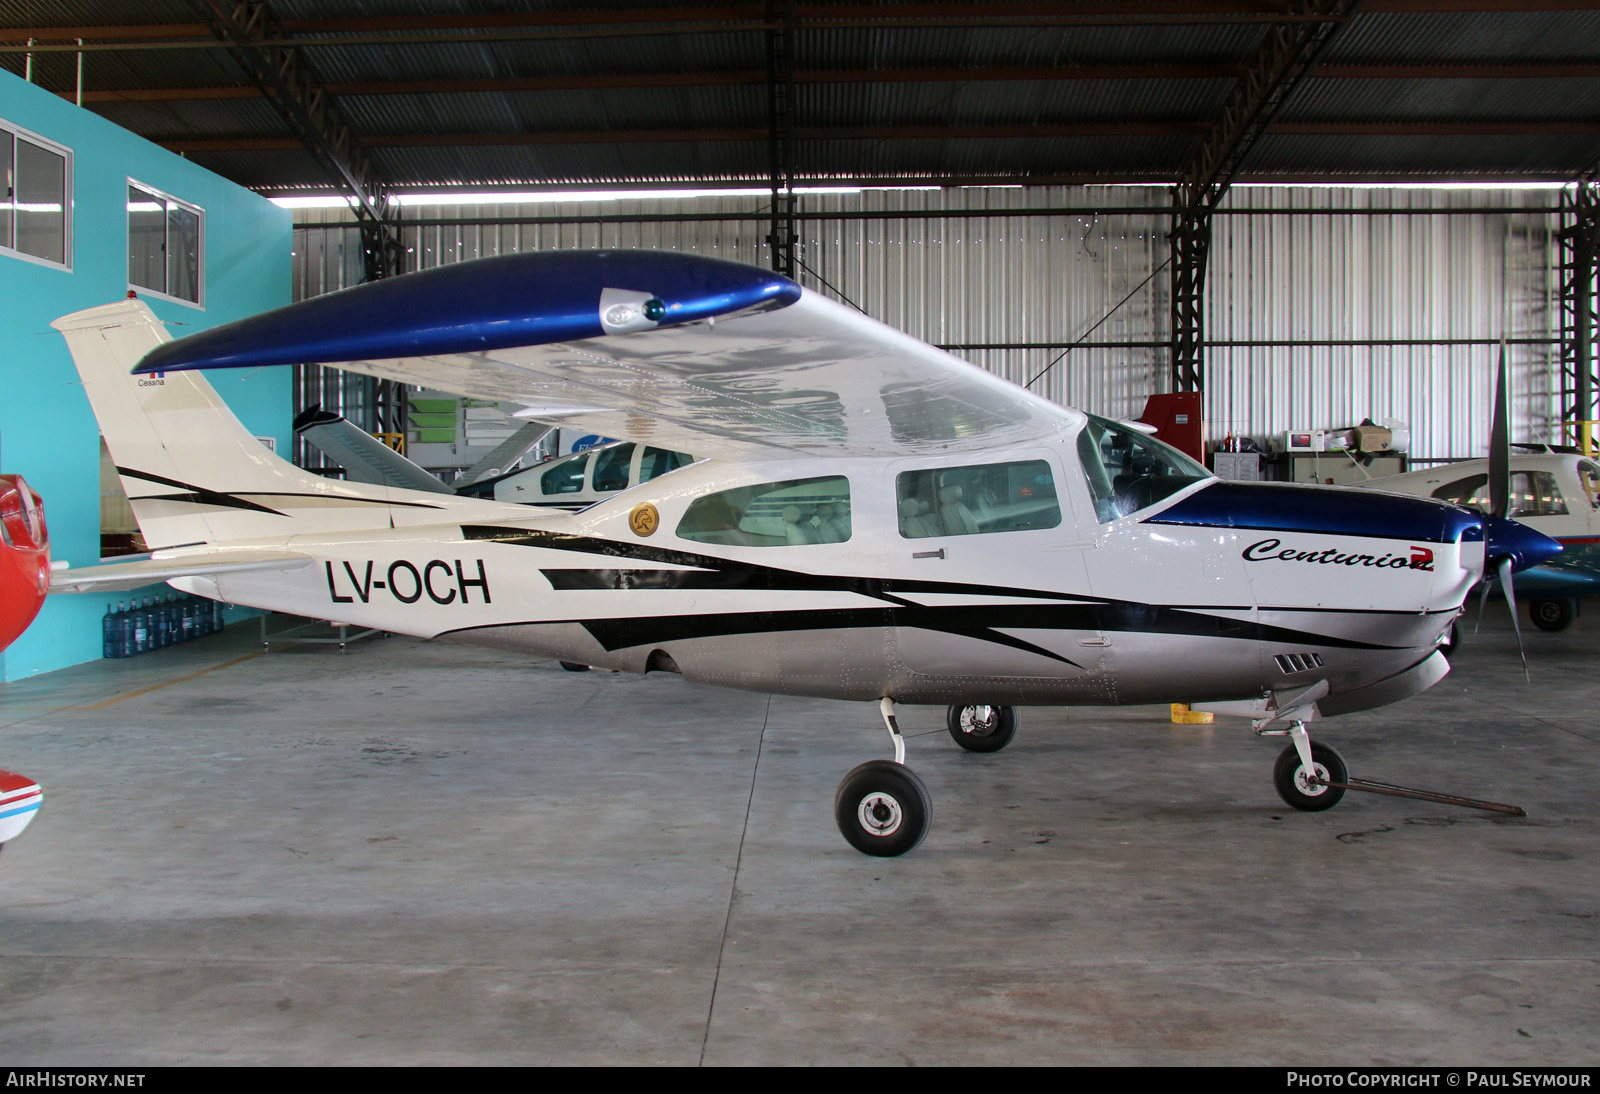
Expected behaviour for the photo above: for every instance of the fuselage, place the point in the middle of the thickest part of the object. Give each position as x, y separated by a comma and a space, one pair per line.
997, 576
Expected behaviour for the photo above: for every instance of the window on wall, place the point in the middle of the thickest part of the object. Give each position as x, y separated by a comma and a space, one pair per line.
166, 239
36, 217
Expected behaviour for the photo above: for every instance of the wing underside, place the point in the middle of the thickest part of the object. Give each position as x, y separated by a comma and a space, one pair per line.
813, 377
741, 363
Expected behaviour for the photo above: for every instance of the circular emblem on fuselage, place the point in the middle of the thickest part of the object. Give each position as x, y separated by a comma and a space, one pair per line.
644, 520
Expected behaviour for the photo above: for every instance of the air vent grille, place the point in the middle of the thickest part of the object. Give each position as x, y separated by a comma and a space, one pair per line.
1290, 663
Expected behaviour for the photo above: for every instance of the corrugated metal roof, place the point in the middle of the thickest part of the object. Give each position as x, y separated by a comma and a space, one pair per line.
473, 93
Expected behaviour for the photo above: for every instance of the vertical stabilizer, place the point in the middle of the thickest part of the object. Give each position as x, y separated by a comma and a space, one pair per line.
192, 472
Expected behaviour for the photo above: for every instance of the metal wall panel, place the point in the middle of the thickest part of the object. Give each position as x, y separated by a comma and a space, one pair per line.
1325, 306
1364, 314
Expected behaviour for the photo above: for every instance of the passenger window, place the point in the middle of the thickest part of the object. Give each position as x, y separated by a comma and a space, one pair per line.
611, 467
1533, 494
967, 501
658, 461
1129, 471
565, 476
772, 514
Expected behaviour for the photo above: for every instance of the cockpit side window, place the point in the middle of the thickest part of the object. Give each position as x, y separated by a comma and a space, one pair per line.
658, 461
1472, 492
982, 498
1129, 471
1589, 476
792, 513
565, 476
611, 467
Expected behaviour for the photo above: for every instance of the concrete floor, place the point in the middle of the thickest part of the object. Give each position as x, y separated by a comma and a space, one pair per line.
416, 853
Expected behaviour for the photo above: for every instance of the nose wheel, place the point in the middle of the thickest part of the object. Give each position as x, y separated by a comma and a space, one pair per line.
882, 808
1306, 787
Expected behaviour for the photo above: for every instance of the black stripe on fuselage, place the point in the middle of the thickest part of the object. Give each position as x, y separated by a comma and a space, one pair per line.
982, 622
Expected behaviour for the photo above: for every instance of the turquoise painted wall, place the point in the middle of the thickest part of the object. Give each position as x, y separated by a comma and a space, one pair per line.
48, 433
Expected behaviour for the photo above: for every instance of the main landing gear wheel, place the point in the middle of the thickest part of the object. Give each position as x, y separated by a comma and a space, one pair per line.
1289, 776
574, 666
982, 728
1551, 615
883, 809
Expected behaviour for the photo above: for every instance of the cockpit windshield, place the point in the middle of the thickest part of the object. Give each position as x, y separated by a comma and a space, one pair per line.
1129, 470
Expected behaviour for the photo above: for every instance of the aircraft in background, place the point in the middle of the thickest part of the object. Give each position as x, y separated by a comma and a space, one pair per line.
24, 581
872, 520
24, 557
569, 483
365, 458
1554, 491
578, 481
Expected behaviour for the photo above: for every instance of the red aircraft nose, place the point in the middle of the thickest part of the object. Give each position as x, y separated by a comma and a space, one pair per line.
24, 557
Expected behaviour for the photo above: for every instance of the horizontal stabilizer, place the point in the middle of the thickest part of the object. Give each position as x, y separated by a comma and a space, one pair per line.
116, 576
505, 454
364, 457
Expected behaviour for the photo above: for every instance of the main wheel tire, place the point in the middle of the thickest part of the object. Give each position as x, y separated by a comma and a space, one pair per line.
574, 666
982, 728
1551, 615
1452, 641
1289, 776
883, 809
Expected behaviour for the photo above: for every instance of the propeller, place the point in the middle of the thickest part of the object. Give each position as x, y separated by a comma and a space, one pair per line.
1509, 546
1499, 480
1499, 445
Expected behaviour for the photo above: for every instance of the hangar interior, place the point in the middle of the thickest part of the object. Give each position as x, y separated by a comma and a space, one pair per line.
1309, 212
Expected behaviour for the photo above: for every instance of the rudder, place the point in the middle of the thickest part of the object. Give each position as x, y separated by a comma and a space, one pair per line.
192, 472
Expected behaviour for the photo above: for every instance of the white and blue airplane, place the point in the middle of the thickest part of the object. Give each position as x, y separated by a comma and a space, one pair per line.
870, 519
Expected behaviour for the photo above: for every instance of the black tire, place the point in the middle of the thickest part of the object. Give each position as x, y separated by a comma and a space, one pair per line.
883, 809
977, 733
574, 666
1286, 776
1551, 615
1452, 641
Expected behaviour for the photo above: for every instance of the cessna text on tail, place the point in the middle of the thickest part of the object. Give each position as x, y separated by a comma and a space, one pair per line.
872, 519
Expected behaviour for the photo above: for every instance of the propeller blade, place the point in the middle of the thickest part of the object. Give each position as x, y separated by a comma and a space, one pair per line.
1500, 446
1511, 601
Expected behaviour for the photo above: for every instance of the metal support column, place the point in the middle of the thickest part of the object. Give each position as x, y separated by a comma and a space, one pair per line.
1281, 61
1579, 240
1191, 247
780, 129
260, 44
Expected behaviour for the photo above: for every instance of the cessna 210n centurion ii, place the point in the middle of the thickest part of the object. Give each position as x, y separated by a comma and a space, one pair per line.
870, 519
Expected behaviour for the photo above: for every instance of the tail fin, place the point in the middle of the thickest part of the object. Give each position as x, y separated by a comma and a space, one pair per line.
192, 472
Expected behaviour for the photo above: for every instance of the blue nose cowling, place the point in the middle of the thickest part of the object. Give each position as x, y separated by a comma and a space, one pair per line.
1521, 544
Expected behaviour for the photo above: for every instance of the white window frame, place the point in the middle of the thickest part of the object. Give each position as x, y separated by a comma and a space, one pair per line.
200, 266
13, 133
